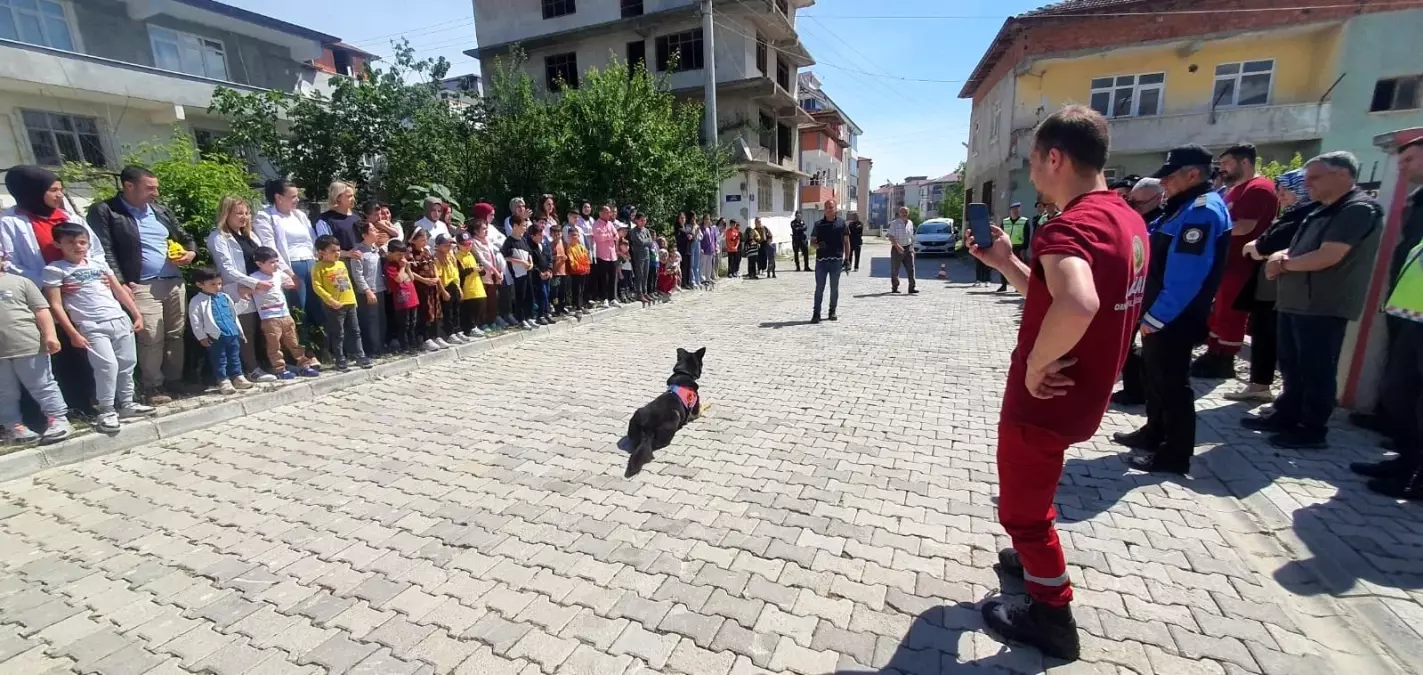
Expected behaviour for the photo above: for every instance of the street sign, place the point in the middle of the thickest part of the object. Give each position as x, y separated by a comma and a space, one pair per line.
733, 198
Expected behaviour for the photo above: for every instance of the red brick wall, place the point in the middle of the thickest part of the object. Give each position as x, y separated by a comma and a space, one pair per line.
1036, 36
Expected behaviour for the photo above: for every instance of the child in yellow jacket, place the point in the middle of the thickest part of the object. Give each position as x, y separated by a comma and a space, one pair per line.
331, 281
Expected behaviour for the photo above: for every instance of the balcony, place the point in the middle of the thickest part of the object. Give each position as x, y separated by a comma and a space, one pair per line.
1223, 127
815, 194
33, 69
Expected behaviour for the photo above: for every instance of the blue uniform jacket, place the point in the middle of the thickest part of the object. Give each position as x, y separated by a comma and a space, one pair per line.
1188, 249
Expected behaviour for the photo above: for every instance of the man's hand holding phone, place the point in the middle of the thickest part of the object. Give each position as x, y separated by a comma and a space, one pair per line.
996, 253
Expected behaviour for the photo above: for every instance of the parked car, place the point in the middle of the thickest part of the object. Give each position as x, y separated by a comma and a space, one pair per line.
935, 236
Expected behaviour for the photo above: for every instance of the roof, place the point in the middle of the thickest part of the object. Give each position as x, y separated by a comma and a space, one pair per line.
260, 20
1013, 24
950, 177
353, 49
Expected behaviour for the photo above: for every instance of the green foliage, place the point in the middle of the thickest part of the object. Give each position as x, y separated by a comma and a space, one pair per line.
415, 201
619, 136
952, 206
914, 214
1273, 169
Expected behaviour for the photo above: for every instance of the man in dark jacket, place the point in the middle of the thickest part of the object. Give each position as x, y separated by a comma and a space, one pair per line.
800, 244
135, 232
857, 239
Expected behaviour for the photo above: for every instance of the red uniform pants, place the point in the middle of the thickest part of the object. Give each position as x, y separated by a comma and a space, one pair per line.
1227, 324
1029, 466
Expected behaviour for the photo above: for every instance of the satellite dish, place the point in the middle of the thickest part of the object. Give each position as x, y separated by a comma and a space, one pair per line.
745, 149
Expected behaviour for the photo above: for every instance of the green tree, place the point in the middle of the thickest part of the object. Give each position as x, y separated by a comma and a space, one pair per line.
952, 206
914, 214
1273, 168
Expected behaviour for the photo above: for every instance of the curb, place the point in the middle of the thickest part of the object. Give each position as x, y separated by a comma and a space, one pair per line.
22, 463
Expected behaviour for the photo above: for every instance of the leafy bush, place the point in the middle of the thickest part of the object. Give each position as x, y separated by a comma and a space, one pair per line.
1273, 169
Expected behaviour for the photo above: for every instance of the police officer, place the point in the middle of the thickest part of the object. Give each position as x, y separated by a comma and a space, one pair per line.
800, 244
1016, 227
1188, 245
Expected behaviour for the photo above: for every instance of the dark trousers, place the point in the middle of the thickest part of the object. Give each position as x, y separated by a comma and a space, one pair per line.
828, 270
1309, 366
1170, 403
371, 316
981, 273
489, 306
343, 333
605, 280
752, 261
904, 257
523, 297
639, 274
1132, 371
541, 304
504, 299
687, 267
800, 250
1264, 343
404, 327
451, 310
573, 289
1401, 391
855, 254
733, 264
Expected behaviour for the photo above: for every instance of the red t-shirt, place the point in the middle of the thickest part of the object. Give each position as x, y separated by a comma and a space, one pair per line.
1252, 200
44, 233
1101, 229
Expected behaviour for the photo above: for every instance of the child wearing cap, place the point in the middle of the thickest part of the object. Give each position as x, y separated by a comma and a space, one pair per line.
472, 295
450, 297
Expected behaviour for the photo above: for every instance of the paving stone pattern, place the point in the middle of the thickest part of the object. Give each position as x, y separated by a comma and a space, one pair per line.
834, 512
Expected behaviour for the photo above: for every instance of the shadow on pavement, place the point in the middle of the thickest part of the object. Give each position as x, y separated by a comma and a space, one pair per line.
784, 324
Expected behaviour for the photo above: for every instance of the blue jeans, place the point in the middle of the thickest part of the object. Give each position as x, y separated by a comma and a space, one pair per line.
225, 357
1309, 367
303, 297
695, 253
827, 269
541, 305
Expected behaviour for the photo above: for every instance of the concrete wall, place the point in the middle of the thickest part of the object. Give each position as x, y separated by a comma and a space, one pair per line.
501, 21
1375, 46
107, 31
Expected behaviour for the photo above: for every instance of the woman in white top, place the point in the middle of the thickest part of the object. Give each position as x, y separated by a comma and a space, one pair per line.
232, 246
285, 228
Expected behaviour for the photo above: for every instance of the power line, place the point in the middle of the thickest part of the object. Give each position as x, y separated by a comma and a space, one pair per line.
883, 72
454, 23
1093, 15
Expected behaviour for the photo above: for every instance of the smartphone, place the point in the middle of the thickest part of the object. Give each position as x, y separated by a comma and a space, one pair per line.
980, 224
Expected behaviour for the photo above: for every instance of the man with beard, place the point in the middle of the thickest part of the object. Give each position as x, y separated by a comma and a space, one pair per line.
1187, 257
1253, 206
1145, 198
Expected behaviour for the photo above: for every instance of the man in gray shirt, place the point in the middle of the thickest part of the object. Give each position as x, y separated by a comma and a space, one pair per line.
1323, 280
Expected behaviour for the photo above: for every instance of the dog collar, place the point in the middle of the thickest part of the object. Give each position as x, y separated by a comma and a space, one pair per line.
687, 395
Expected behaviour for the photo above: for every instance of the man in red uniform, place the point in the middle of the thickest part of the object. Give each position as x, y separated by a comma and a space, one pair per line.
1253, 206
1084, 293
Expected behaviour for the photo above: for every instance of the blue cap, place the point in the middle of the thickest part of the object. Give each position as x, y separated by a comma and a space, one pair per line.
1016, 205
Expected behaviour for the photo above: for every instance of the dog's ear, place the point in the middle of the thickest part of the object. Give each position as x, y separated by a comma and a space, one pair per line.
681, 353
700, 353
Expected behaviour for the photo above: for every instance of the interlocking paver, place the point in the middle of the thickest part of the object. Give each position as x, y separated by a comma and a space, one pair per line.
845, 519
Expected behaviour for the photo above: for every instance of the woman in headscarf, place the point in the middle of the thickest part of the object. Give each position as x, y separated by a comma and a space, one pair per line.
26, 246
1258, 294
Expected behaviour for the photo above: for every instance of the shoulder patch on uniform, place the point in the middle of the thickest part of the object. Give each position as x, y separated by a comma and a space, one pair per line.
1192, 239
1202, 200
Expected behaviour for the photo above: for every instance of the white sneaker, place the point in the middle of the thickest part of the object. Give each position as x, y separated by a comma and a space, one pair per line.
225, 387
56, 431
135, 410
241, 382
261, 376
439, 342
455, 339
107, 422
430, 346
473, 334
1250, 393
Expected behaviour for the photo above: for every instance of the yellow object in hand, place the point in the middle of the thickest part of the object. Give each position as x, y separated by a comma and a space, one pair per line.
175, 250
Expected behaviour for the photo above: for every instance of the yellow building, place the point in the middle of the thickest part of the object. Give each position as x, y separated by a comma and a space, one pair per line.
1161, 84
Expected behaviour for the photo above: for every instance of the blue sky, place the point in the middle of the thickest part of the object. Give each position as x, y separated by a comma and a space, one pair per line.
910, 128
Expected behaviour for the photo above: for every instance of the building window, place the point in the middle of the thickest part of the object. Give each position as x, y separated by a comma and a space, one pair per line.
687, 48
206, 140
56, 139
1128, 95
783, 141
631, 8
993, 122
783, 74
1398, 93
1246, 83
341, 61
187, 53
789, 195
561, 70
761, 54
766, 134
637, 55
557, 8
763, 193
38, 22
1111, 173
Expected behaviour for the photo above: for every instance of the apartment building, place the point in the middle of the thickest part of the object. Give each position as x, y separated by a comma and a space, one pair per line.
931, 195
87, 80
827, 153
861, 178
1297, 81
757, 56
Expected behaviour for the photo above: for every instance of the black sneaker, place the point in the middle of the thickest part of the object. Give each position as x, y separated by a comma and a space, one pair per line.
894, 290
832, 317
1271, 422
815, 318
1386, 469
1128, 398
1052, 630
1154, 462
914, 291
1010, 563
1214, 366
342, 366
1408, 485
1298, 439
365, 362
1137, 440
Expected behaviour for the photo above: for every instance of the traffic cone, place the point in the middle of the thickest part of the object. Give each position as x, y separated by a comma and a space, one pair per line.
943, 271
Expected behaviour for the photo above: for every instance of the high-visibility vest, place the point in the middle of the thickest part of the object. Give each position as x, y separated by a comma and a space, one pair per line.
1016, 229
1406, 300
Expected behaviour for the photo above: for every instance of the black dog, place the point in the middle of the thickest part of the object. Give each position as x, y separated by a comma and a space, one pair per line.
653, 425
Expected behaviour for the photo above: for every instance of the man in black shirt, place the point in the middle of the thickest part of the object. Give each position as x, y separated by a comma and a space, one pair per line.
831, 239
857, 239
799, 246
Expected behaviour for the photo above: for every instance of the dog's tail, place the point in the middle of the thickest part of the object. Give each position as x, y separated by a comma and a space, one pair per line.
641, 455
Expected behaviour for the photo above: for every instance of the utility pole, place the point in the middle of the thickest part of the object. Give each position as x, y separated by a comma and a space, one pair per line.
709, 67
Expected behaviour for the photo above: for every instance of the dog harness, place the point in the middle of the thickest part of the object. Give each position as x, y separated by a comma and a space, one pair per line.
687, 395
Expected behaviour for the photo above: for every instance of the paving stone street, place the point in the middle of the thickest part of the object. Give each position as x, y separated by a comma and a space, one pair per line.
832, 513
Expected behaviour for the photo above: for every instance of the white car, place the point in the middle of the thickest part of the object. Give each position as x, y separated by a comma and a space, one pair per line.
935, 236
